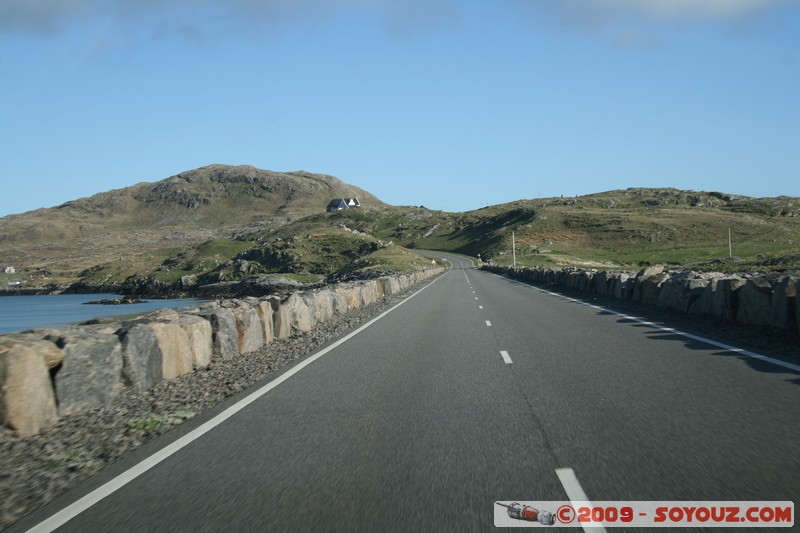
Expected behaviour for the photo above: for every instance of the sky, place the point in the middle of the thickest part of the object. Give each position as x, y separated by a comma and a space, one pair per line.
451, 104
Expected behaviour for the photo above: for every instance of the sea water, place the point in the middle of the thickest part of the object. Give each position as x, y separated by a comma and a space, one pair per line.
19, 313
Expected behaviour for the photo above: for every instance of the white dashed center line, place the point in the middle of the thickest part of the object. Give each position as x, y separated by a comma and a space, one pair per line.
506, 357
489, 323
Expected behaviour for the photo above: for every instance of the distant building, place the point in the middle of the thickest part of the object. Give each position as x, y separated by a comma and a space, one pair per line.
339, 204
9, 270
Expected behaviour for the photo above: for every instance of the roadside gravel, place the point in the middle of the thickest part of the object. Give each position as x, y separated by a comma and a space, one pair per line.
37, 469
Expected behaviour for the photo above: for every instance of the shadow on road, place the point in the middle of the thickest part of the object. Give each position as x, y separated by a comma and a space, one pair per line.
778, 344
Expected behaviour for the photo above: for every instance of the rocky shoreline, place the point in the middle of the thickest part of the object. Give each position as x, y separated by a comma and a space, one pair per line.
35, 470
156, 290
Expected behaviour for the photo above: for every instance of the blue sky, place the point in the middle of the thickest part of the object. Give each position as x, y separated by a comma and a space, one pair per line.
450, 104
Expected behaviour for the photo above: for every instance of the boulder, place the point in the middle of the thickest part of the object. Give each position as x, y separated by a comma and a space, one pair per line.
703, 305
369, 291
725, 303
141, 355
621, 285
755, 302
295, 311
644, 275
601, 283
281, 318
784, 297
338, 302
302, 316
680, 291
91, 374
797, 311
44, 341
175, 347
201, 338
320, 304
351, 294
264, 309
249, 327
225, 334
650, 287
389, 285
27, 400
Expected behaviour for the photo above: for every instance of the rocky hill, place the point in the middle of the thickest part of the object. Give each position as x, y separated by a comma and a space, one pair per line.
208, 198
219, 225
205, 204
623, 228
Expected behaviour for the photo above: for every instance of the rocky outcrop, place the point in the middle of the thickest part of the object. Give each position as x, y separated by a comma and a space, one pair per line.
45, 374
766, 300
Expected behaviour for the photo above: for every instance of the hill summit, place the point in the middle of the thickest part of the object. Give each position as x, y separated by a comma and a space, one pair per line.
211, 202
211, 197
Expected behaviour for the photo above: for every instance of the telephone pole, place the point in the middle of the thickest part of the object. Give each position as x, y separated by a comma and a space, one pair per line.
730, 244
514, 249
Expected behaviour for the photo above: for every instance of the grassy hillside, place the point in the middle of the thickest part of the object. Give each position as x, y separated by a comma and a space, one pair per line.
632, 228
138, 226
627, 228
228, 223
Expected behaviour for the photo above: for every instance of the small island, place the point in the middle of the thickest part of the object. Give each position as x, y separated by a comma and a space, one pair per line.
118, 301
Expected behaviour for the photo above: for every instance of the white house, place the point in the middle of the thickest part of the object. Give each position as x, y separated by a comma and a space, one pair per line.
339, 204
9, 270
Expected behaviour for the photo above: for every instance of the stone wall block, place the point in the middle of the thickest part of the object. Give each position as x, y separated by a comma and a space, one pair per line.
784, 297
298, 313
200, 334
27, 400
249, 328
91, 374
755, 302
650, 287
141, 355
225, 334
175, 347
264, 310
726, 297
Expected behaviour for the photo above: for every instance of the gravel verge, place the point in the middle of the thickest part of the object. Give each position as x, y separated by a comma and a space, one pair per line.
35, 470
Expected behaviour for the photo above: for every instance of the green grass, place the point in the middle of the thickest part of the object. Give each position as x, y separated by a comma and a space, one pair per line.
616, 229
168, 264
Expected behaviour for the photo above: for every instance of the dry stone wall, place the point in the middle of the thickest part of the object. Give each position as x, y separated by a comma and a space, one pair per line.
48, 373
763, 299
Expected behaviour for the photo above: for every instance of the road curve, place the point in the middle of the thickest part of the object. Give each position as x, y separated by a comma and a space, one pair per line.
475, 390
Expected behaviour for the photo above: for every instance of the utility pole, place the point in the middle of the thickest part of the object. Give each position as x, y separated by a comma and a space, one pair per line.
514, 248
730, 244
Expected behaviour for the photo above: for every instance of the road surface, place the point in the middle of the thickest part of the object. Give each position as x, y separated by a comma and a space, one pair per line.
478, 389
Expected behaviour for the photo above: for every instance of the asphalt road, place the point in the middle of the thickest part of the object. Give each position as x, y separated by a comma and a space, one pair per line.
420, 423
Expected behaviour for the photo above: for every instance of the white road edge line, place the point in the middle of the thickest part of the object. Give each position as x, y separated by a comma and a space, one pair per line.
748, 353
506, 357
698, 338
575, 494
71, 511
